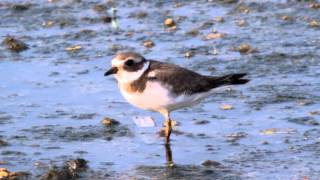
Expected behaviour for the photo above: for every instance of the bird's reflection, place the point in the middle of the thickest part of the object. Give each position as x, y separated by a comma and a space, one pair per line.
169, 155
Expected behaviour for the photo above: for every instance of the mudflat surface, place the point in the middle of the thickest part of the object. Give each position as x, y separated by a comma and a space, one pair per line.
53, 95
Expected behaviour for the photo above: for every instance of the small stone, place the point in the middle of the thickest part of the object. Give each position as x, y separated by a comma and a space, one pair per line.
115, 47
87, 31
189, 54
139, 15
3, 143
245, 49
14, 44
109, 122
177, 5
211, 163
106, 19
74, 48
313, 23
100, 7
86, 71
63, 23
84, 116
199, 122
21, 7
214, 36
243, 9
241, 23
314, 112
169, 22
129, 34
54, 74
271, 131
76, 165
315, 5
226, 107
305, 102
207, 24
234, 137
215, 51
219, 19
193, 32
306, 120
48, 24
286, 18
225, 1
148, 44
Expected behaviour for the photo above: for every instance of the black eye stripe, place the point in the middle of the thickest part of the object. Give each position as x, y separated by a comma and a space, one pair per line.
129, 62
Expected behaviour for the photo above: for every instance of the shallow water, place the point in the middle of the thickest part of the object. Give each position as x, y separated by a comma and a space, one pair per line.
52, 101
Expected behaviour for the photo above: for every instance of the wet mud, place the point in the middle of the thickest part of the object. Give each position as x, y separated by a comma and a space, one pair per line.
54, 99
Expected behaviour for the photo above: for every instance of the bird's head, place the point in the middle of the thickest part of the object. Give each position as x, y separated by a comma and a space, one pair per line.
127, 66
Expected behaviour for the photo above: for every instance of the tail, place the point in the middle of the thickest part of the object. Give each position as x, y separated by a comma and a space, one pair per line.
230, 79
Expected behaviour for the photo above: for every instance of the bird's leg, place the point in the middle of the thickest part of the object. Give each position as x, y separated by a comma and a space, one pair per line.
168, 130
169, 155
167, 124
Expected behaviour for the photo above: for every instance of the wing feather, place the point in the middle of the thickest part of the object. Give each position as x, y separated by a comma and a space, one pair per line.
179, 79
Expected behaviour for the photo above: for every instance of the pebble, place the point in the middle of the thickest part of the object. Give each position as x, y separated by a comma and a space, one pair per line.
189, 54
314, 23
219, 19
106, 19
226, 107
214, 36
169, 22
211, 163
100, 8
193, 32
74, 48
199, 122
109, 122
241, 23
48, 24
286, 18
245, 49
148, 44
271, 131
315, 5
21, 7
14, 44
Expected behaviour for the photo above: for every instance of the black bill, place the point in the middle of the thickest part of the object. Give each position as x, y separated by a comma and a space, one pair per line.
113, 70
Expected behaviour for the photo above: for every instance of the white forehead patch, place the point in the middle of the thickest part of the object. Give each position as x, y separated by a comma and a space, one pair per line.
116, 62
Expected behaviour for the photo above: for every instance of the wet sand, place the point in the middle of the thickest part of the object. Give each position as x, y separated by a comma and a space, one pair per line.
54, 95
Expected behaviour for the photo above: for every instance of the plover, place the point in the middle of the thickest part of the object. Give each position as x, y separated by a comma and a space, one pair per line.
164, 87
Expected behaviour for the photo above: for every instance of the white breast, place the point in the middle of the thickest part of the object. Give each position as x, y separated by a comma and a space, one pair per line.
154, 97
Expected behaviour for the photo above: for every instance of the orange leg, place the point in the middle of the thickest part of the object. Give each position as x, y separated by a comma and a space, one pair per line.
168, 129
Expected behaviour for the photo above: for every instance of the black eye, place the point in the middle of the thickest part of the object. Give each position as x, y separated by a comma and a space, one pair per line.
129, 62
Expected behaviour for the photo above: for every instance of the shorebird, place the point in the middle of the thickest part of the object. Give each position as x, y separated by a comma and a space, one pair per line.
164, 87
